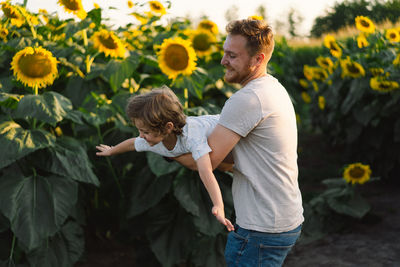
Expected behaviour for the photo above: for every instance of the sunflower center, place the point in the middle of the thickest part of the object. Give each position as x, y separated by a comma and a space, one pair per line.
35, 66
352, 68
384, 85
156, 6
201, 42
71, 4
364, 23
357, 172
176, 57
10, 13
108, 41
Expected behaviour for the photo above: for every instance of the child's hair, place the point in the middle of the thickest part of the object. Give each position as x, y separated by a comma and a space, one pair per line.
156, 108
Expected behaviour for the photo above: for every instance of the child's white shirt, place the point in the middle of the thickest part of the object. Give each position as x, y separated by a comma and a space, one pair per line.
192, 140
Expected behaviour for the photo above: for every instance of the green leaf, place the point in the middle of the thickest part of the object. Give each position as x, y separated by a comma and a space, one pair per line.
147, 191
159, 166
355, 206
69, 159
95, 15
50, 107
187, 191
355, 93
170, 233
9, 100
64, 249
367, 113
117, 71
17, 142
36, 206
334, 182
209, 251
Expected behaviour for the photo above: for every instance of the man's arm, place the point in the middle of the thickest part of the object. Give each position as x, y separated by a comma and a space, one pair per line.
221, 141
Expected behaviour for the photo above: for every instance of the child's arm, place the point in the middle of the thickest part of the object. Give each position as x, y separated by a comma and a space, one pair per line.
211, 184
124, 146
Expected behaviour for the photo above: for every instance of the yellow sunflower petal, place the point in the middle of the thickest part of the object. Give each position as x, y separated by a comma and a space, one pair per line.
35, 67
176, 56
357, 173
108, 43
208, 25
73, 6
364, 24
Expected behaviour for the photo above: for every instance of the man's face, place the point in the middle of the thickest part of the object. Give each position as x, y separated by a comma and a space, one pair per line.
236, 60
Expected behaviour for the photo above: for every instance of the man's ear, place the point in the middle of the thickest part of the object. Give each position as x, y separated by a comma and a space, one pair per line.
260, 58
169, 127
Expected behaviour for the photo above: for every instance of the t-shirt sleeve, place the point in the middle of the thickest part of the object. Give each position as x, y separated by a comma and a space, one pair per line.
198, 147
241, 113
141, 145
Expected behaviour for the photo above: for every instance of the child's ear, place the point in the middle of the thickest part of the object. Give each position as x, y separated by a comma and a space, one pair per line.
169, 127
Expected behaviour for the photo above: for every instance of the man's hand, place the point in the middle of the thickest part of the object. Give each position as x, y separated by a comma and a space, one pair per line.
219, 213
104, 150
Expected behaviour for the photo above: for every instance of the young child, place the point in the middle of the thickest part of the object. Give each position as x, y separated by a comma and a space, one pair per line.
165, 130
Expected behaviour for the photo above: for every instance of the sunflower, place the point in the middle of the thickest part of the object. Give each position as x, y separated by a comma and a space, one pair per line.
393, 35
130, 4
376, 71
35, 67
325, 62
157, 8
208, 25
364, 24
308, 73
315, 86
330, 42
303, 83
256, 17
351, 68
382, 85
108, 43
203, 41
357, 173
306, 97
13, 13
396, 61
3, 33
73, 6
362, 41
321, 102
176, 56
319, 73
142, 19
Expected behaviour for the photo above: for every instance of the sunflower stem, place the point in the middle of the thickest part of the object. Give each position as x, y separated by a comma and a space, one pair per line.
186, 96
36, 89
84, 36
10, 259
110, 165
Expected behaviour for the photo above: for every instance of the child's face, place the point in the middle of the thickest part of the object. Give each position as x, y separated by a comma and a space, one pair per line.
150, 136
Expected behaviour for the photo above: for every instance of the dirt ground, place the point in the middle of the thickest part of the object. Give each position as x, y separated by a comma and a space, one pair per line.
370, 242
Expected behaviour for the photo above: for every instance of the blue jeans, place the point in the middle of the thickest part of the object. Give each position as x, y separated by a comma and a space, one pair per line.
247, 248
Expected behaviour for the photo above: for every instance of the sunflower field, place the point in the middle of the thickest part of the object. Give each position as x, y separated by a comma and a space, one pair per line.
63, 89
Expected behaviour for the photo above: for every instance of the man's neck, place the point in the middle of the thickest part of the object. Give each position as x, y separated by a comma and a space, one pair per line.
254, 76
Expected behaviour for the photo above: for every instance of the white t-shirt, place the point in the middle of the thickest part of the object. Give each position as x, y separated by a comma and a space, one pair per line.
265, 188
192, 140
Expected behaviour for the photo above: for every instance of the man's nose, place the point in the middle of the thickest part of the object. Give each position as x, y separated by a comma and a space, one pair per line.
223, 60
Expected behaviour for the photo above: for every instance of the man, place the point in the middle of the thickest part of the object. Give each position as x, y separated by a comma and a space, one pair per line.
258, 124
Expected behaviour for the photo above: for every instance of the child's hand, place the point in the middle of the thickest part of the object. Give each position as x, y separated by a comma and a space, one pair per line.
219, 213
104, 150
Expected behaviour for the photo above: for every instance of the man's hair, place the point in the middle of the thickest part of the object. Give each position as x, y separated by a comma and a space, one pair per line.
258, 34
156, 108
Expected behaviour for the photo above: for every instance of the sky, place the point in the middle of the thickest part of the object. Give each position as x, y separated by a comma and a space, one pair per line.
195, 9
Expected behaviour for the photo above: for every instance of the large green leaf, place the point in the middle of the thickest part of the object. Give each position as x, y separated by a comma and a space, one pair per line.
159, 166
356, 92
36, 206
191, 194
170, 233
117, 71
64, 249
9, 100
69, 159
50, 107
354, 206
147, 191
16, 142
209, 251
